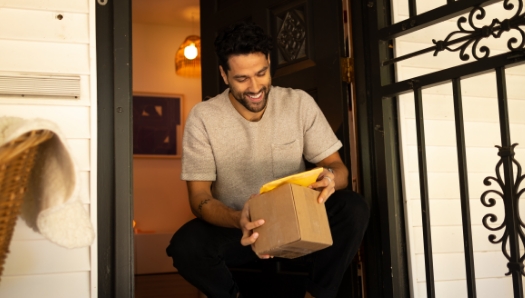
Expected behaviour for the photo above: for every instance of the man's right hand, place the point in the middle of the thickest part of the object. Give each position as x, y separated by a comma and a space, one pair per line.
248, 236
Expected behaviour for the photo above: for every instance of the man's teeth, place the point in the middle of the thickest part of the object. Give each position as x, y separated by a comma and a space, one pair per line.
256, 95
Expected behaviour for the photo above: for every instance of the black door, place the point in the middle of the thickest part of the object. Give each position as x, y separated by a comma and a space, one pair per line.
308, 39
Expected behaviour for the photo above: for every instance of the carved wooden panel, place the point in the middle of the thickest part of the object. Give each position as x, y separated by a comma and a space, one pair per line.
290, 34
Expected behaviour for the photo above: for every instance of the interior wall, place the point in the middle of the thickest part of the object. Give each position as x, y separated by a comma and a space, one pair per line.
161, 199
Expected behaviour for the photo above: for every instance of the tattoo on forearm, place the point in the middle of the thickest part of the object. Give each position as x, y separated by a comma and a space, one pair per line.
202, 204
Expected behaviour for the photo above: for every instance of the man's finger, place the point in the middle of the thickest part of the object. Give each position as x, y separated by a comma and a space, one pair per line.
323, 196
254, 224
245, 241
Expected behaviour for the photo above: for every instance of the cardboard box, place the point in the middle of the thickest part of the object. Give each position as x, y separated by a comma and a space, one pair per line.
295, 223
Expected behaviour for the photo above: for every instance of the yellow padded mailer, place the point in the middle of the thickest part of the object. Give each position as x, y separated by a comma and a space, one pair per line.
303, 179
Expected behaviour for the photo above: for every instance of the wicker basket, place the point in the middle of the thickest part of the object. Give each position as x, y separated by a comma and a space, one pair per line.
16, 162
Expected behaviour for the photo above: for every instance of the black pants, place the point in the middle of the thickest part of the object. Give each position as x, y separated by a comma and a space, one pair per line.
203, 252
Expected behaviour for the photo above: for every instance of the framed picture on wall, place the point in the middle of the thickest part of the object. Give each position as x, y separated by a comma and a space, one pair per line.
157, 125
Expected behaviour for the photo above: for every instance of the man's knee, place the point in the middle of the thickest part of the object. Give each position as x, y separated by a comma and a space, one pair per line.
184, 246
349, 207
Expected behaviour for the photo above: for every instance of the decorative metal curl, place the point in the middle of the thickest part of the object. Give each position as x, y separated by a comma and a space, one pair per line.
491, 202
474, 36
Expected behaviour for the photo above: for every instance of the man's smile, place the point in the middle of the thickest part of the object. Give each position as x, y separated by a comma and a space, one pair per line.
256, 97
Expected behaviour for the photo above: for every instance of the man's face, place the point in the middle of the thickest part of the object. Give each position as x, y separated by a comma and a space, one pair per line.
250, 82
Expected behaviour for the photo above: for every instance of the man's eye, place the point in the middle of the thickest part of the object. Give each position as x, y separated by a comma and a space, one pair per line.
261, 74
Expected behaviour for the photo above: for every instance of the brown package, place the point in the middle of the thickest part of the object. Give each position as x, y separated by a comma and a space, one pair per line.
295, 223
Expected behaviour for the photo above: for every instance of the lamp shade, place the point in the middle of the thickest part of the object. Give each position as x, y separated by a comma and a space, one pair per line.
184, 65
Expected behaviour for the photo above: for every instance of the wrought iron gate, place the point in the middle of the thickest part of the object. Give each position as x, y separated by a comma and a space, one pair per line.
379, 133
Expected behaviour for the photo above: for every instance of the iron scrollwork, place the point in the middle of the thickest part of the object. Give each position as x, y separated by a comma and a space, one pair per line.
495, 29
491, 202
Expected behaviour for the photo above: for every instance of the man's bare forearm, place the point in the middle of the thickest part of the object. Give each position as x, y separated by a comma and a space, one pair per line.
215, 212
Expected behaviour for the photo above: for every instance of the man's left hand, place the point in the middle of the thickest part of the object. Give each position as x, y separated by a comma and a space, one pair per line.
326, 184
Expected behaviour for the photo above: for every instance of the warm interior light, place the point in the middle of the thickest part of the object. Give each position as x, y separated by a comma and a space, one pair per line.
190, 52
188, 57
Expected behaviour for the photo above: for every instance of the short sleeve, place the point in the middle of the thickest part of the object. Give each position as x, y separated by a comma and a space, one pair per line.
320, 140
198, 163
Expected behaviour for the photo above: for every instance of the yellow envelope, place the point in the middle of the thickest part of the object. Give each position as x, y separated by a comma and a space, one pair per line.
303, 179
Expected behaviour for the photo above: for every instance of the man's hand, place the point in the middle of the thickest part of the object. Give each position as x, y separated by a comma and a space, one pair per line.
248, 236
326, 184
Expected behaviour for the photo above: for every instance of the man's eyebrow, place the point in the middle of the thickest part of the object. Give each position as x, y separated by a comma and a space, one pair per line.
263, 69
245, 76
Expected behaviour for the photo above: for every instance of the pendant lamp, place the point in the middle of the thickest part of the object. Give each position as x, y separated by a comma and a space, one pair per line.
188, 57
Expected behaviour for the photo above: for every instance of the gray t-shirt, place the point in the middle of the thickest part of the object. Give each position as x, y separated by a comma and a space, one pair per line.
240, 156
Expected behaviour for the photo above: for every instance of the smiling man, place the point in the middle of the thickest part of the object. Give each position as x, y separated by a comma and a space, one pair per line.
234, 143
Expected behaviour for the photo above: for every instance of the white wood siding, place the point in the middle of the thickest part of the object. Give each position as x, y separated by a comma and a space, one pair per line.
53, 37
481, 135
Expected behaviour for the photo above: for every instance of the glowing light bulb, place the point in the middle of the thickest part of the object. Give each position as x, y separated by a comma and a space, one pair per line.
190, 52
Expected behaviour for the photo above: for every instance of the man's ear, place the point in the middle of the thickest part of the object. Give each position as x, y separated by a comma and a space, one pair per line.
223, 75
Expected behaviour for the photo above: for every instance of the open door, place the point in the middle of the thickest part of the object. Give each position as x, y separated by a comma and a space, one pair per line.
308, 46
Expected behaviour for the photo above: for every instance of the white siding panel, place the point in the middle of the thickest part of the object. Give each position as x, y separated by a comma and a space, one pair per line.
450, 239
24, 232
475, 109
67, 285
477, 134
486, 288
80, 152
444, 159
448, 212
494, 287
482, 86
44, 25
73, 121
43, 256
59, 5
442, 213
446, 185
44, 57
450, 266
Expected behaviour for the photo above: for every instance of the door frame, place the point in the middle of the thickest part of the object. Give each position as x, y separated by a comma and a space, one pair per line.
385, 254
115, 156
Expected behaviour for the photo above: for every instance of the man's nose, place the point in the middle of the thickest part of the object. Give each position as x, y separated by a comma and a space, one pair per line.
254, 86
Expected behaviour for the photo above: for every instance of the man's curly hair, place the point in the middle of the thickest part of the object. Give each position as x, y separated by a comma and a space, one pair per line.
241, 39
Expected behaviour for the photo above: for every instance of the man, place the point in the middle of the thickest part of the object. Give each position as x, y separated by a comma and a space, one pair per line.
239, 140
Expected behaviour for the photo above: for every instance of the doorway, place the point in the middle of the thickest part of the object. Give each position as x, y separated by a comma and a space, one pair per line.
160, 197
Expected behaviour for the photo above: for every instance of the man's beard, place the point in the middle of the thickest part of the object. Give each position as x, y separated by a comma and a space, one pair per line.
252, 107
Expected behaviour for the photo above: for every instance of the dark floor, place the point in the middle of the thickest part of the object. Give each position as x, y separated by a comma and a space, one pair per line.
173, 285
170, 285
